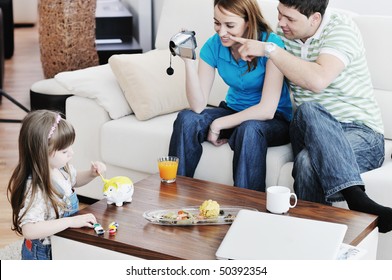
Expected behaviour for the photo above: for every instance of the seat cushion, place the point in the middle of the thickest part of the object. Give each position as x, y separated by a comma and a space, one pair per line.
133, 144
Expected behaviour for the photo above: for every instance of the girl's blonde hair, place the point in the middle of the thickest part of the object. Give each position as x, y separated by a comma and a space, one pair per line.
43, 132
250, 11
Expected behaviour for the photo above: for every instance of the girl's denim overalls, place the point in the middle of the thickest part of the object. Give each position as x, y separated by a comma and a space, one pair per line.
35, 249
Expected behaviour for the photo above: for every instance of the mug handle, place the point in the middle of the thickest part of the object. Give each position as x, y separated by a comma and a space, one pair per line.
295, 200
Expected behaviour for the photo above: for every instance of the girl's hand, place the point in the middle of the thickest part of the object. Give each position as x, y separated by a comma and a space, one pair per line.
86, 220
97, 168
46, 228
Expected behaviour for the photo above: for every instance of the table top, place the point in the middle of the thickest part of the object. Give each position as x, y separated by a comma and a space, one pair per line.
138, 237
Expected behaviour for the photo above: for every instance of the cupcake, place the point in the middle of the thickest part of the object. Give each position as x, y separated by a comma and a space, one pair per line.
209, 209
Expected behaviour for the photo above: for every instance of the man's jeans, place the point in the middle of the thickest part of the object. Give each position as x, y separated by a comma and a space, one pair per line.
329, 155
249, 141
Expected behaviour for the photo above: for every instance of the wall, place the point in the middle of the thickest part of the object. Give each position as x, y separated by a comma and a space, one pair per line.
375, 7
156, 12
142, 21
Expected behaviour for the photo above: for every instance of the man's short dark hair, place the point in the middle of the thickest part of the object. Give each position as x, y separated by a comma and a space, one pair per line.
307, 7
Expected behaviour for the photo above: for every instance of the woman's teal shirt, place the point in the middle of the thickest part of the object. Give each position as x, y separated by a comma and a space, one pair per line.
245, 88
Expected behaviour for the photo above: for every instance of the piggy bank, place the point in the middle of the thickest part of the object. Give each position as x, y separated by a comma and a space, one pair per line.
118, 190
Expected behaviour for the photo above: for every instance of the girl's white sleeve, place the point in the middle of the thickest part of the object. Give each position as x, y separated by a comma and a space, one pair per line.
39, 210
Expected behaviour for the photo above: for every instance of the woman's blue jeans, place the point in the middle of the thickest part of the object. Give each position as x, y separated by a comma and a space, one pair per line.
330, 155
249, 141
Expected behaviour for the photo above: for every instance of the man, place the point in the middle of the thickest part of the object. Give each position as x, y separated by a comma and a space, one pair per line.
337, 130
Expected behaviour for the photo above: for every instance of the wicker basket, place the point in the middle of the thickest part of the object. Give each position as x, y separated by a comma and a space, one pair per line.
67, 35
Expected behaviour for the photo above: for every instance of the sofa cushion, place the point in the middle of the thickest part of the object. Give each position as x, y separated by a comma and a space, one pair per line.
97, 83
158, 94
216, 163
136, 145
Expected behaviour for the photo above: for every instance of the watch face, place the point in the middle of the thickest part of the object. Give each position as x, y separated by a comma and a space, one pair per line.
269, 47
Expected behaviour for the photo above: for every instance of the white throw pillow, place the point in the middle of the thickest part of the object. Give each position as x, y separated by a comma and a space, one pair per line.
149, 90
97, 83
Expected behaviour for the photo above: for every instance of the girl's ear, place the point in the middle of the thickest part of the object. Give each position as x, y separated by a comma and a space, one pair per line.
51, 154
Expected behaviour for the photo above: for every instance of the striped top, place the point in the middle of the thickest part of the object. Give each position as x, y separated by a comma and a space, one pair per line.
349, 98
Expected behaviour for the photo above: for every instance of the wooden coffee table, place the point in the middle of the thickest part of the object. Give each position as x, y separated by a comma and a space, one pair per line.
138, 238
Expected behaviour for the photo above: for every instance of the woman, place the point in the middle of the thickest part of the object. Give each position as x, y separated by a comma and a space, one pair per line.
257, 109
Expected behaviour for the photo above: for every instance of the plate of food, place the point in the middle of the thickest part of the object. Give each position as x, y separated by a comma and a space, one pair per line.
209, 213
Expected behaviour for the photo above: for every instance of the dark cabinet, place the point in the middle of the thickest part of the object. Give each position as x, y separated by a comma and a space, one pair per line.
114, 30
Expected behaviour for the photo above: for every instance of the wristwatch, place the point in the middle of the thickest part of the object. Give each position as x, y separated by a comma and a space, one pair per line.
269, 48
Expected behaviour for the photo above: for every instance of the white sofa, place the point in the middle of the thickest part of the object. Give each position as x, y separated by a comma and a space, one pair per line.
130, 146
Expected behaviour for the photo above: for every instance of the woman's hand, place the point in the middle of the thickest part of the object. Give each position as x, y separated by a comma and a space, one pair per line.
213, 137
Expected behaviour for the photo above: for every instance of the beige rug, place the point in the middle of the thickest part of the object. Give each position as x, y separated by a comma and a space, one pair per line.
11, 251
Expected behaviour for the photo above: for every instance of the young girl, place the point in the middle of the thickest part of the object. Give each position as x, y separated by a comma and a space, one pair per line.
257, 109
41, 187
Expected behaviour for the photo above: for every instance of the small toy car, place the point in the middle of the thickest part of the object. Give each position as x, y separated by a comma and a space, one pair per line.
114, 224
113, 228
98, 229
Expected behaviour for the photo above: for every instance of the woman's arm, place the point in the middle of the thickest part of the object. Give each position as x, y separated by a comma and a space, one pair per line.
264, 110
44, 229
198, 83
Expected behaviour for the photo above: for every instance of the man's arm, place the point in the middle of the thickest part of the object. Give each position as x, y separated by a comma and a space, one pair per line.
313, 76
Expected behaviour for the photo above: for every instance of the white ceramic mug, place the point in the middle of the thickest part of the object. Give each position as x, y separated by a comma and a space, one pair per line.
279, 199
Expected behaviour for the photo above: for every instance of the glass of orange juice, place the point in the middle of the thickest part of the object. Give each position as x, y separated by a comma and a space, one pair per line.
168, 166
